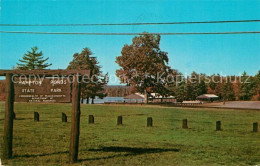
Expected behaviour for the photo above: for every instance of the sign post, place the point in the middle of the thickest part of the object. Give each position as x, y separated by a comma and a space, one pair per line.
75, 120
51, 91
8, 123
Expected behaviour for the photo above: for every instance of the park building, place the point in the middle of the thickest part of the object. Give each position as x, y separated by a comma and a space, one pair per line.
153, 98
134, 98
208, 98
156, 98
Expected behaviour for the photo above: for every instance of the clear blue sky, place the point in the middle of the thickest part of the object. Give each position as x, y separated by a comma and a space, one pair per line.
229, 54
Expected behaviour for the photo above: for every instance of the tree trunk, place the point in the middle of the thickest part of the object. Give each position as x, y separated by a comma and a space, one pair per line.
92, 101
75, 121
87, 100
8, 121
81, 101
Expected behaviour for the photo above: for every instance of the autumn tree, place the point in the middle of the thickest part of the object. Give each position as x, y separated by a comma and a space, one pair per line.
143, 65
33, 60
117, 91
93, 85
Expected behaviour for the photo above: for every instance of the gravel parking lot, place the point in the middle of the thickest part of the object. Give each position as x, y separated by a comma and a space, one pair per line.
236, 104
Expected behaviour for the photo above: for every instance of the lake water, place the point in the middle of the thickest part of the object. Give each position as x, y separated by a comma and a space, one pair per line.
111, 100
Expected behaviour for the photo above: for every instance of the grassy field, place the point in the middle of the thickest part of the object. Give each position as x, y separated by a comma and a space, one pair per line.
104, 143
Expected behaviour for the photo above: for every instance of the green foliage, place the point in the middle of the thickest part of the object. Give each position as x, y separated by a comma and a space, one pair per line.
180, 91
104, 143
33, 60
257, 84
229, 93
225, 89
246, 87
189, 88
195, 86
214, 81
94, 85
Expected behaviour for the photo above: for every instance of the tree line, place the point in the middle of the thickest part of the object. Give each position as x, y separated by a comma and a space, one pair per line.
228, 88
144, 68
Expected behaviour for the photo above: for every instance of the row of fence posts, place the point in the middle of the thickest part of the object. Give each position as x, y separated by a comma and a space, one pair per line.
149, 121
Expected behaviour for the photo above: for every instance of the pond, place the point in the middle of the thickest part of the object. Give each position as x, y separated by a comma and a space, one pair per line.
113, 100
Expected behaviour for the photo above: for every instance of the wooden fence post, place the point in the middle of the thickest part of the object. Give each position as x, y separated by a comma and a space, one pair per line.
14, 115
64, 117
149, 122
255, 127
119, 120
91, 119
75, 120
8, 123
36, 117
218, 125
185, 124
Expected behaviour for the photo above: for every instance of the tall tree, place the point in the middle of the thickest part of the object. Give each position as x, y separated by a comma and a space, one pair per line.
144, 65
213, 82
246, 87
94, 85
225, 89
196, 85
228, 92
180, 91
33, 60
257, 84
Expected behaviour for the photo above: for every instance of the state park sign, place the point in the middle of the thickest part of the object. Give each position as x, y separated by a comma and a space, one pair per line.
43, 90
50, 86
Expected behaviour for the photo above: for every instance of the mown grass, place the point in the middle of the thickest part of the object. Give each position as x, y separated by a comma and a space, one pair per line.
104, 143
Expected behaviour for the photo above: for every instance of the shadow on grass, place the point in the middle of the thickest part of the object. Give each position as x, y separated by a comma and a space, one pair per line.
17, 119
39, 155
22, 118
129, 152
132, 150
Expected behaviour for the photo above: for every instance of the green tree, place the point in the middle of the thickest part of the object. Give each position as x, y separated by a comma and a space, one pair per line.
196, 85
257, 84
213, 81
202, 87
246, 87
180, 91
225, 88
94, 85
33, 60
220, 90
228, 91
189, 91
144, 65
